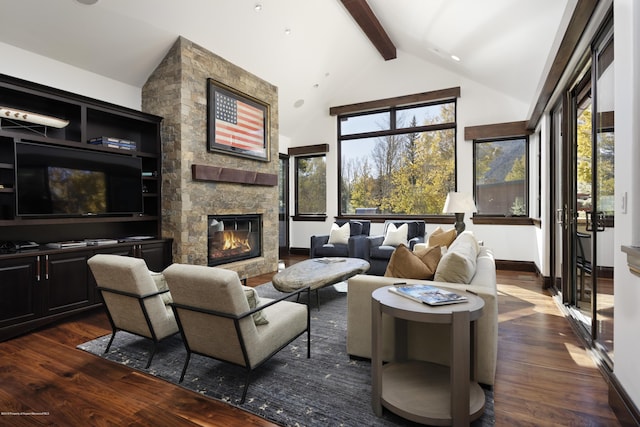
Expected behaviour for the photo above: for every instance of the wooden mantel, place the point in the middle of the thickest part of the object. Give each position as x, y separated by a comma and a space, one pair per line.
237, 176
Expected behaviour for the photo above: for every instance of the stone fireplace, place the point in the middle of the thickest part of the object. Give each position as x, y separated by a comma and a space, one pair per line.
198, 184
233, 238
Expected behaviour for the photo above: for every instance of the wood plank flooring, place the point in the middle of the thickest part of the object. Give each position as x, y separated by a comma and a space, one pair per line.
544, 376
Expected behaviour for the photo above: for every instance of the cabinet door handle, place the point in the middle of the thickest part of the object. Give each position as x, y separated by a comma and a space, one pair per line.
38, 268
46, 267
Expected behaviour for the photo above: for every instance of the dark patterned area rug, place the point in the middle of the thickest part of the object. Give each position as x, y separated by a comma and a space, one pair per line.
329, 389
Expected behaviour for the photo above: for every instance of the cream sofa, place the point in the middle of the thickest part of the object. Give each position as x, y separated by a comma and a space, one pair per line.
427, 341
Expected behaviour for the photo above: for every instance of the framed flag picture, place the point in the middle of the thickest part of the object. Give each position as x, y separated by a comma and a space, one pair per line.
236, 123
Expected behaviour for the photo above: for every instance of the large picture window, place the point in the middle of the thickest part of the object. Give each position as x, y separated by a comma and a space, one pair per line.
398, 160
501, 176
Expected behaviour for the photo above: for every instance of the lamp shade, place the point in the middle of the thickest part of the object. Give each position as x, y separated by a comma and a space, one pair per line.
459, 203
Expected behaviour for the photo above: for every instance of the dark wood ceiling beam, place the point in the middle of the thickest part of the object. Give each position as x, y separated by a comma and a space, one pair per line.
364, 16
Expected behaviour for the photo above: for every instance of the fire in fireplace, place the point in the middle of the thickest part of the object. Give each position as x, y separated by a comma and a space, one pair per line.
233, 238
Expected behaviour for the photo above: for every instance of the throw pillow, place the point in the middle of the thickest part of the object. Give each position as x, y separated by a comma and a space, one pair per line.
253, 299
458, 265
161, 284
439, 237
430, 256
405, 264
396, 236
339, 235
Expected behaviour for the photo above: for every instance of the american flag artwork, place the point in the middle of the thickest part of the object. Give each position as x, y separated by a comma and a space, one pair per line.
238, 124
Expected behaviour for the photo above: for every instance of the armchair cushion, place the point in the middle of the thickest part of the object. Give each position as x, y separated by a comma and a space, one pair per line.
259, 318
396, 235
161, 284
339, 234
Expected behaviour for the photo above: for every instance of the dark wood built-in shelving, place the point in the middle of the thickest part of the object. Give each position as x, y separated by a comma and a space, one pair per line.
41, 285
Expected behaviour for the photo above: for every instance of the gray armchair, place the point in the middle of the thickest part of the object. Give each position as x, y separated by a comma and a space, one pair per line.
133, 301
355, 248
378, 254
216, 320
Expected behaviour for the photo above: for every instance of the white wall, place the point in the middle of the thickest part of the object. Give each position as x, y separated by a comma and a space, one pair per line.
40, 69
477, 105
627, 229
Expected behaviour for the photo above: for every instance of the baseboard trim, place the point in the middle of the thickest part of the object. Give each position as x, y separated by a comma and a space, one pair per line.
527, 266
621, 404
299, 251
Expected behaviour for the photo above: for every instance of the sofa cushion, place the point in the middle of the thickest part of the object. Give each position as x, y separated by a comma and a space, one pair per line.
420, 264
430, 256
340, 234
439, 237
458, 265
396, 236
253, 299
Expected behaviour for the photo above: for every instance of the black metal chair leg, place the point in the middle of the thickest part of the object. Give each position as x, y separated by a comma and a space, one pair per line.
186, 363
246, 387
113, 335
153, 352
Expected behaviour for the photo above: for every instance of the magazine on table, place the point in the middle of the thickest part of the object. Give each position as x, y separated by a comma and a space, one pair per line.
427, 294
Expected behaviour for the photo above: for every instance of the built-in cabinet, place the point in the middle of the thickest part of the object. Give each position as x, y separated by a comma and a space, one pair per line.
41, 285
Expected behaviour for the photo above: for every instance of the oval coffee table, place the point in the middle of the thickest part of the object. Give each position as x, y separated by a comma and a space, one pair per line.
318, 273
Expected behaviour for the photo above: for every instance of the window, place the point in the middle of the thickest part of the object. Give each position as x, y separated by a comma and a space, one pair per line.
397, 160
501, 176
311, 185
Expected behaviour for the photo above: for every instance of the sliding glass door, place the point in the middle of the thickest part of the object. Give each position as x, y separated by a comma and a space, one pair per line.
584, 150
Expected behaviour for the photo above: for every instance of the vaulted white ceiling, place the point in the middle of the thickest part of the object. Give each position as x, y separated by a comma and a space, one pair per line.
505, 45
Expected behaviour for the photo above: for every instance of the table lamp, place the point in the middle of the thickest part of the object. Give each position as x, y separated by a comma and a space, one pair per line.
458, 204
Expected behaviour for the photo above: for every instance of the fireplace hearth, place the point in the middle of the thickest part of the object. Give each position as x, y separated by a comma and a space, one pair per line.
233, 238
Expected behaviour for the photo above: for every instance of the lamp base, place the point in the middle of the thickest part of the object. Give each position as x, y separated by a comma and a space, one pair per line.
459, 225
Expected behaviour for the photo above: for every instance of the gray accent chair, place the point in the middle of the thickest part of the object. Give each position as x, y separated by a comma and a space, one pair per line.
132, 298
378, 254
216, 321
359, 231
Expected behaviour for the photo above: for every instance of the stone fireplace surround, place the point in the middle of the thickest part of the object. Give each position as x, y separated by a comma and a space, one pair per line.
177, 91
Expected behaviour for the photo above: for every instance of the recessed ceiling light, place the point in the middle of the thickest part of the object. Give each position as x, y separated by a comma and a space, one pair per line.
87, 2
299, 103
455, 58
258, 7
316, 86
287, 31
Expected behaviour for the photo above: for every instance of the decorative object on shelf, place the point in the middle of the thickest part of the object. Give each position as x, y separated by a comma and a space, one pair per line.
110, 142
236, 123
459, 203
15, 116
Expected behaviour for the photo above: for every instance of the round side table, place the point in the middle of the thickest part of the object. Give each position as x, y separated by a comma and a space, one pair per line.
420, 391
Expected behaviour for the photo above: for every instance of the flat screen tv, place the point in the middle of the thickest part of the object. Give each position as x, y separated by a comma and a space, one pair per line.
69, 182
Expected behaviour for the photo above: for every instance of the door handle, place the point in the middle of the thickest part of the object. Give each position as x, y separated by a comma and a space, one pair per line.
559, 216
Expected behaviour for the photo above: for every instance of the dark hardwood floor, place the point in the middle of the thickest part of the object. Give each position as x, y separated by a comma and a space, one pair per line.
544, 377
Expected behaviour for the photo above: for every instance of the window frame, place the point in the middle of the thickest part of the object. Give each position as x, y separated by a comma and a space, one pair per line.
393, 130
297, 215
479, 218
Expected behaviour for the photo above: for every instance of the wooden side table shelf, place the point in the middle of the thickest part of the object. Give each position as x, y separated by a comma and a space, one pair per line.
426, 392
